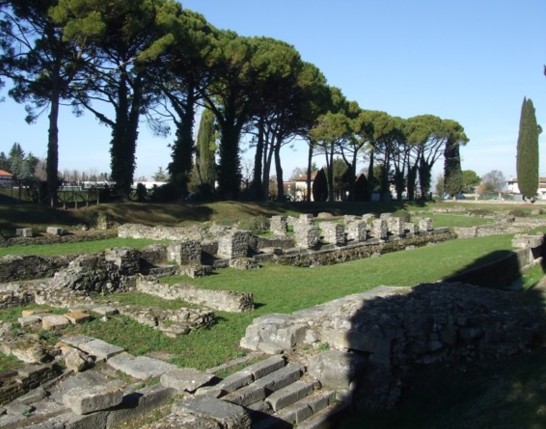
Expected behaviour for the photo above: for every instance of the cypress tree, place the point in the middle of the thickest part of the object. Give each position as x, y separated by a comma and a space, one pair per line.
453, 175
320, 186
527, 151
206, 149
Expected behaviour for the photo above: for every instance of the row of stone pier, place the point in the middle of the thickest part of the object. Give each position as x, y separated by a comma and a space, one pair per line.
308, 234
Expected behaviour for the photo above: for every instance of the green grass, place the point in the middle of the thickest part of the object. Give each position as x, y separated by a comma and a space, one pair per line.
440, 220
284, 289
279, 289
9, 362
76, 248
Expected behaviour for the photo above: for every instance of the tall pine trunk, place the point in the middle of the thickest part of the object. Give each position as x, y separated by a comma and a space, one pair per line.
52, 161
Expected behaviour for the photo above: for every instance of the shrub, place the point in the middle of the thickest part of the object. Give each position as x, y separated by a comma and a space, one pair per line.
165, 193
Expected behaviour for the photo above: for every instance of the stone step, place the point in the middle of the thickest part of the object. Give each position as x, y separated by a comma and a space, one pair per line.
264, 386
291, 394
303, 409
296, 413
251, 373
327, 418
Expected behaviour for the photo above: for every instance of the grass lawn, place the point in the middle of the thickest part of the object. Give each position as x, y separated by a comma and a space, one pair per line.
284, 289
457, 220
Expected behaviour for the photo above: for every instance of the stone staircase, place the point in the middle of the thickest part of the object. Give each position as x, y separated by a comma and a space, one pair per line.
277, 394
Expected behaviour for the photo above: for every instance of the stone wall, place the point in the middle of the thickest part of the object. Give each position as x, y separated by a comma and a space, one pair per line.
31, 267
131, 230
353, 251
378, 338
500, 273
223, 300
236, 244
12, 295
15, 383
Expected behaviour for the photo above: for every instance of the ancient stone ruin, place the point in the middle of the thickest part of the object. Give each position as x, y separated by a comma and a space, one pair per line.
302, 369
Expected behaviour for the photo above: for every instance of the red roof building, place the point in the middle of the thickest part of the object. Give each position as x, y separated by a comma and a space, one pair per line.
6, 179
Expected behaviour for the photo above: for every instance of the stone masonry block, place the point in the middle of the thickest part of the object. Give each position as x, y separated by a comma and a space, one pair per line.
85, 400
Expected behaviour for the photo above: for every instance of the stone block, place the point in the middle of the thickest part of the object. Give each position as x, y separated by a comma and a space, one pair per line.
264, 367
290, 394
234, 245
333, 233
246, 395
185, 379
379, 229
29, 320
235, 381
336, 369
23, 232
278, 225
76, 340
425, 225
35, 371
185, 253
105, 310
140, 403
225, 414
54, 322
395, 226
29, 353
356, 231
280, 378
54, 230
100, 349
306, 236
85, 400
74, 360
141, 367
368, 218
411, 228
77, 317
33, 311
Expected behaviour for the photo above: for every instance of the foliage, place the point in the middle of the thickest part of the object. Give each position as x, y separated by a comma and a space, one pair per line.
361, 189
320, 186
118, 40
527, 151
342, 179
160, 175
141, 192
452, 159
440, 185
165, 193
470, 181
205, 167
494, 181
43, 67
124, 60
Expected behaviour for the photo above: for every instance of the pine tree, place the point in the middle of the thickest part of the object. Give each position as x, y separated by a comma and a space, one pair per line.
527, 151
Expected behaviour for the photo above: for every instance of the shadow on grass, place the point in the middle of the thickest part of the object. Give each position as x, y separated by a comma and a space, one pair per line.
464, 356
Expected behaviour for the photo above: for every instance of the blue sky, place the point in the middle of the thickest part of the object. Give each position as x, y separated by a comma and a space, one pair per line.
469, 60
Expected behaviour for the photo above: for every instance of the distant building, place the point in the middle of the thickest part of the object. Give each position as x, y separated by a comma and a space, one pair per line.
296, 189
6, 179
514, 189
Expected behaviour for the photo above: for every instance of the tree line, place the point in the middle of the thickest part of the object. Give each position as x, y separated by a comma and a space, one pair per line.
125, 61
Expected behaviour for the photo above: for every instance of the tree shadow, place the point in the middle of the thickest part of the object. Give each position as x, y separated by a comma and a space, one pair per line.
419, 353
